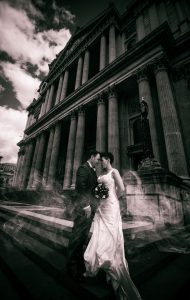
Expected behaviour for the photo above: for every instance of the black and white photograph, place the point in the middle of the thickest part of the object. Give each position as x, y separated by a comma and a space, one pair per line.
94, 150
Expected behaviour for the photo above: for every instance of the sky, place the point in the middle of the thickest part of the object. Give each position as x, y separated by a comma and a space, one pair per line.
32, 32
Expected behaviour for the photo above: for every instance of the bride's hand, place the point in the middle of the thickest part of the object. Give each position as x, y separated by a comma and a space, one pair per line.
87, 212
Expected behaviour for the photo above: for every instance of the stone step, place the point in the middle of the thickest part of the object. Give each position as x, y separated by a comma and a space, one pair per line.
53, 264
7, 289
36, 229
31, 281
35, 234
51, 232
171, 282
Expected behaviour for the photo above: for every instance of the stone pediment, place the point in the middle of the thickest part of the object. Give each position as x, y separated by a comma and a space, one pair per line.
82, 34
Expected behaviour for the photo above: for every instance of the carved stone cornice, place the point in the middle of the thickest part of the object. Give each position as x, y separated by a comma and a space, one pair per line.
63, 108
89, 39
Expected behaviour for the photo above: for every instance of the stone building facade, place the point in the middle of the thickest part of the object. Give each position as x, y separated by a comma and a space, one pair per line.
90, 98
7, 171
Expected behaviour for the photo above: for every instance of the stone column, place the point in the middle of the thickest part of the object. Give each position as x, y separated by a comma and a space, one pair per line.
85, 72
58, 95
140, 27
113, 126
144, 91
31, 178
17, 171
21, 167
79, 145
101, 126
182, 93
65, 85
79, 73
170, 122
27, 165
162, 12
183, 22
39, 161
154, 22
70, 153
54, 157
102, 52
48, 156
112, 48
42, 108
45, 102
29, 120
123, 43
50, 98
32, 119
27, 123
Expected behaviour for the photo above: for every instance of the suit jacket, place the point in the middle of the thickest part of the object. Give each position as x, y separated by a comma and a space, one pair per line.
86, 180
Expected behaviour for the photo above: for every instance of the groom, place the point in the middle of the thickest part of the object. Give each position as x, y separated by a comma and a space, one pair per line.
84, 211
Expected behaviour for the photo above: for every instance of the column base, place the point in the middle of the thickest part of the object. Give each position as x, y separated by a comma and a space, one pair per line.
66, 188
72, 187
186, 180
48, 188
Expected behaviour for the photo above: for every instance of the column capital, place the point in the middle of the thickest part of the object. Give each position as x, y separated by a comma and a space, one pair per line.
100, 98
21, 151
55, 123
51, 126
112, 91
72, 114
142, 73
112, 21
42, 132
81, 110
160, 64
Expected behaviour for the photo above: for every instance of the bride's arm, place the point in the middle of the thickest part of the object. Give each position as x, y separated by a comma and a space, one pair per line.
119, 182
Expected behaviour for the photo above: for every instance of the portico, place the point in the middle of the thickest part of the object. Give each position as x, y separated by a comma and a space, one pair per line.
91, 100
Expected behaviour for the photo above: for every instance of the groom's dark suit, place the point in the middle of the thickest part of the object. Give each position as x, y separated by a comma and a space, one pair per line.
86, 180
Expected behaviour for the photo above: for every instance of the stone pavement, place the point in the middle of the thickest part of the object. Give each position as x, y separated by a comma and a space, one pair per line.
33, 241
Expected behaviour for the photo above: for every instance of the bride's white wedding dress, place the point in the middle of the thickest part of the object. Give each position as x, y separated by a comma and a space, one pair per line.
106, 246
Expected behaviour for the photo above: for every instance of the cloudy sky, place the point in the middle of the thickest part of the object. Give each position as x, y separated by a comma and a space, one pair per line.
32, 32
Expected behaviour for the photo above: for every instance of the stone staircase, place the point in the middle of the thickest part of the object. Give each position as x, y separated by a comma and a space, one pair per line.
33, 242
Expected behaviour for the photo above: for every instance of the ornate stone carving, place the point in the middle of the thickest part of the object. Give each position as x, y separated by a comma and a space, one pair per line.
142, 73
101, 98
81, 110
112, 90
160, 63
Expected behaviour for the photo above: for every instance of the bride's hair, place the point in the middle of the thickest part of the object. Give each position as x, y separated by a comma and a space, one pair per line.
107, 155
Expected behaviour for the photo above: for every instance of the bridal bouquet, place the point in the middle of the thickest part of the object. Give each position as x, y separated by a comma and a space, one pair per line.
101, 191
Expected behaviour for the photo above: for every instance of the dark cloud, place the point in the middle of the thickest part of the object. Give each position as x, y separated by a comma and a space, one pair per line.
49, 14
8, 94
5, 57
30, 68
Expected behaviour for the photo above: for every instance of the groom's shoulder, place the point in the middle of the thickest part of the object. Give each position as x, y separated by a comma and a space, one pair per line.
84, 167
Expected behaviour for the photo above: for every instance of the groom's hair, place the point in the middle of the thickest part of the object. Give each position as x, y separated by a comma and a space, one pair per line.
92, 153
107, 155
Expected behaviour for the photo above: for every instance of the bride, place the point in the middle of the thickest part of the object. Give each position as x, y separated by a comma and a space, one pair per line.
106, 247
